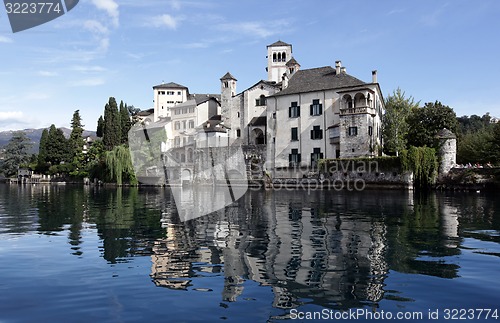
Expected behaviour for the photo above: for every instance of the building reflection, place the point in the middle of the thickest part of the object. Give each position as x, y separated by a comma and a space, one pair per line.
292, 245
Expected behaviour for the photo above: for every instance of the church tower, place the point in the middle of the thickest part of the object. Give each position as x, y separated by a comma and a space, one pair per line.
278, 54
228, 90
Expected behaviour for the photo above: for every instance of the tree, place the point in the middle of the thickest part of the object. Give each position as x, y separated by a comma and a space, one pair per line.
42, 151
395, 125
56, 146
424, 124
76, 141
125, 123
112, 131
119, 164
100, 127
495, 144
16, 153
475, 147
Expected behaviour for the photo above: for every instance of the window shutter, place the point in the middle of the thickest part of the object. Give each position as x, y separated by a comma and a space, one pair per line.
321, 156
311, 109
290, 158
298, 111
298, 158
312, 134
321, 109
289, 112
320, 134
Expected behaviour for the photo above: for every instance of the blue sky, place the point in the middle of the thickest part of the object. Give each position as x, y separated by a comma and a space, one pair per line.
433, 50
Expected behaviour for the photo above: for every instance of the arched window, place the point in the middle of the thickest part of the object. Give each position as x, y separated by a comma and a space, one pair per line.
274, 57
348, 101
283, 57
226, 84
279, 57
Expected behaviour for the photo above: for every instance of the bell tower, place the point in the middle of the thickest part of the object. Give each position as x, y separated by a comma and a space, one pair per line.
278, 54
228, 90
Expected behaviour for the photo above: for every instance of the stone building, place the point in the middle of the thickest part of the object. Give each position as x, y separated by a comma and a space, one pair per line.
447, 150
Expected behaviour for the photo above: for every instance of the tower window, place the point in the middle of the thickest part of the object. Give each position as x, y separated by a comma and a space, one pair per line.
274, 57
352, 131
283, 57
238, 133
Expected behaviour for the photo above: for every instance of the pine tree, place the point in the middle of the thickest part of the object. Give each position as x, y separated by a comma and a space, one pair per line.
100, 127
16, 153
57, 146
112, 131
76, 141
42, 151
124, 122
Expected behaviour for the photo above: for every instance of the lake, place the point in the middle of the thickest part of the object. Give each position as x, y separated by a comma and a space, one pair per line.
95, 254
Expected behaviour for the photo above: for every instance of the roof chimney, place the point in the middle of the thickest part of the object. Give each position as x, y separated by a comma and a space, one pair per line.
343, 70
374, 76
338, 65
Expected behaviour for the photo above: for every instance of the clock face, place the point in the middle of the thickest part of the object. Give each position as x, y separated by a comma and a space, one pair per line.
25, 14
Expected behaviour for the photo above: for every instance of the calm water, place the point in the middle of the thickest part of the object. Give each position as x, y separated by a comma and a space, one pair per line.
71, 254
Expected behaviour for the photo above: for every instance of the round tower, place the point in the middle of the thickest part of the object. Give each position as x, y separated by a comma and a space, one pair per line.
447, 150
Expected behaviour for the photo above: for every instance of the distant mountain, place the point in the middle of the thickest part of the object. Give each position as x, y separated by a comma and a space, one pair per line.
34, 135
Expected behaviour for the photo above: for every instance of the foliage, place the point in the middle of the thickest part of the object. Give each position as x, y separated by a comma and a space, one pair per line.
395, 125
76, 142
42, 152
381, 163
119, 165
424, 124
476, 147
16, 153
125, 123
94, 162
473, 124
495, 144
112, 125
100, 127
56, 147
423, 162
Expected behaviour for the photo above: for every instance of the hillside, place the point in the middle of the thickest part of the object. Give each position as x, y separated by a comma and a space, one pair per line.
34, 135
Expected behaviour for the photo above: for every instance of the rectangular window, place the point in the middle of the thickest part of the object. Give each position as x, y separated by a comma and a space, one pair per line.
370, 131
238, 133
316, 133
177, 125
161, 92
316, 108
179, 93
352, 131
295, 134
294, 110
170, 92
177, 141
191, 110
316, 156
170, 102
294, 158
184, 110
184, 124
191, 124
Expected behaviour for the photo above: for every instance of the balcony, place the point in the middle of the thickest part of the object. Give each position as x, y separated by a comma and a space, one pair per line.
357, 110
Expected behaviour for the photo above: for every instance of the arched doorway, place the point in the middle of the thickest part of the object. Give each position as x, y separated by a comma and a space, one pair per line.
258, 137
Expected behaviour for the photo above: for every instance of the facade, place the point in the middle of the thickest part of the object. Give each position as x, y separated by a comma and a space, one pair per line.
295, 118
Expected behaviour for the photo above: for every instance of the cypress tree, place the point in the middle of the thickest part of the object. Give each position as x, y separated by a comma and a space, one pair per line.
76, 141
112, 131
100, 127
56, 146
42, 149
124, 122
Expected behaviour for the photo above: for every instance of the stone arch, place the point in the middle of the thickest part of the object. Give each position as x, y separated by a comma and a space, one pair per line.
257, 136
347, 101
359, 100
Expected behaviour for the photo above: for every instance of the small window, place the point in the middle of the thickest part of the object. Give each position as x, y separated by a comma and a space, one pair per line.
237, 114
316, 133
370, 131
316, 156
295, 134
316, 108
294, 158
170, 92
238, 133
294, 110
191, 124
179, 93
352, 131
177, 125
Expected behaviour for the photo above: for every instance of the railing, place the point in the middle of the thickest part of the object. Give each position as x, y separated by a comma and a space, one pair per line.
357, 110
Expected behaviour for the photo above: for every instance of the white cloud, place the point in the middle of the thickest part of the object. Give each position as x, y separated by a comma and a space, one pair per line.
95, 27
165, 21
88, 69
255, 28
111, 8
5, 39
47, 73
12, 116
89, 82
176, 5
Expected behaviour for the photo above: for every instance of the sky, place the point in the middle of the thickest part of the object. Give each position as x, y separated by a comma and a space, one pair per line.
432, 49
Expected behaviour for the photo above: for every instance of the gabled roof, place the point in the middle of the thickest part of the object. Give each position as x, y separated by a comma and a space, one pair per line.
170, 85
213, 125
264, 82
202, 98
292, 62
278, 43
228, 76
318, 79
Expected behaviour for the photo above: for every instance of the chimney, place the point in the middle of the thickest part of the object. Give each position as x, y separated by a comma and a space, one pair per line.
338, 65
343, 70
374, 76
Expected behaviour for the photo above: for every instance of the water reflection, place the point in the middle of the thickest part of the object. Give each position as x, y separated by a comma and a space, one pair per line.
333, 249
